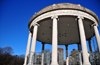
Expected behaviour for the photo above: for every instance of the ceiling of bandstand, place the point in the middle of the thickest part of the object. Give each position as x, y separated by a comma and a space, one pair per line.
68, 32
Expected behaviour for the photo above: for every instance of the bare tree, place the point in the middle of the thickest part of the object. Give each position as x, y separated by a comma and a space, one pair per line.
5, 55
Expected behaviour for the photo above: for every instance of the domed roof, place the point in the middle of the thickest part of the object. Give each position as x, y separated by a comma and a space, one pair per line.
63, 6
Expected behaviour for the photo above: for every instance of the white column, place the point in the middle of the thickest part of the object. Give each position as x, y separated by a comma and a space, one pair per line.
28, 48
42, 62
67, 59
66, 54
97, 36
80, 58
83, 42
33, 45
54, 41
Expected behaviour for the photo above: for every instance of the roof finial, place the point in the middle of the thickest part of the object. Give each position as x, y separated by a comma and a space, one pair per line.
54, 4
79, 5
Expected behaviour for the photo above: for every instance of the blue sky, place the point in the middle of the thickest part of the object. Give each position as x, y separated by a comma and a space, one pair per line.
14, 17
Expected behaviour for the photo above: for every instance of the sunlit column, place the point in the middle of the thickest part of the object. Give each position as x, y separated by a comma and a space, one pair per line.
83, 42
66, 54
80, 58
54, 41
28, 48
33, 44
67, 61
42, 62
97, 36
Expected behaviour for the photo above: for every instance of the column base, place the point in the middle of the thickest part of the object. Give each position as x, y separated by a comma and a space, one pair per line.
86, 63
30, 63
54, 63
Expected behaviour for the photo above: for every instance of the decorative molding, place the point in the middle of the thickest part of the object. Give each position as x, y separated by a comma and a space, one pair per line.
63, 12
54, 16
93, 24
80, 17
36, 24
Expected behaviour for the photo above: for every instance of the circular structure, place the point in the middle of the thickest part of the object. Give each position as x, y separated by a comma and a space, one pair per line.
63, 24
67, 23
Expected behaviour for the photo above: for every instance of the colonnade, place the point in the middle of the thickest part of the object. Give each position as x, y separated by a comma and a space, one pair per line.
55, 42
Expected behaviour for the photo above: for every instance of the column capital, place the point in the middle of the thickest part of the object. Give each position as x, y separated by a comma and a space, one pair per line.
93, 24
54, 16
36, 24
80, 17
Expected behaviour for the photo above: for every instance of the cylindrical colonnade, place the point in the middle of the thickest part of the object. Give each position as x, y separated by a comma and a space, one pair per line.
62, 24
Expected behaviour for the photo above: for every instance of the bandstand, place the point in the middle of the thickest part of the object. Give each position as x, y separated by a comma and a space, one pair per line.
62, 24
